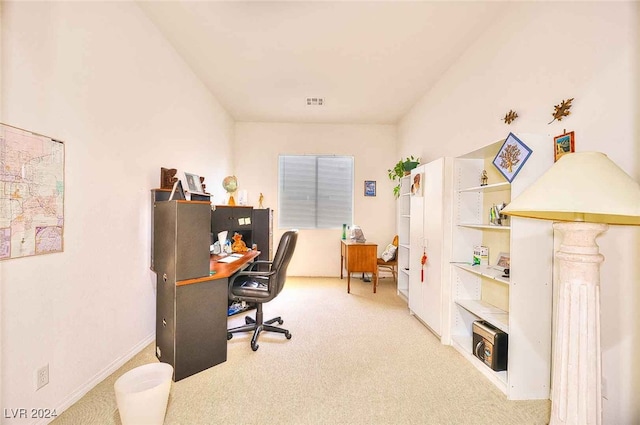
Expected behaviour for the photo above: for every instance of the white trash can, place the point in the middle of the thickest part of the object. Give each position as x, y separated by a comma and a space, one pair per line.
142, 394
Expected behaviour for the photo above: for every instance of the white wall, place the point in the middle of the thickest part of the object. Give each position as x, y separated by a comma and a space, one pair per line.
1, 285
537, 55
101, 78
374, 150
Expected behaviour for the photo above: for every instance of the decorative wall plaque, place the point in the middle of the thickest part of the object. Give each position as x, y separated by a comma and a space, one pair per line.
561, 110
510, 117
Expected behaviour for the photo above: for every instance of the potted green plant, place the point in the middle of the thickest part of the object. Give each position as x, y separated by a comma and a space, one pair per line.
401, 169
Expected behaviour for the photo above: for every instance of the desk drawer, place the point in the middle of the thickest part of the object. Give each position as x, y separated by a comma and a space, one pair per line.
361, 258
201, 326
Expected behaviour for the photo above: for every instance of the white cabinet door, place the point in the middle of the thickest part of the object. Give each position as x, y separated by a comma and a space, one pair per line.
416, 238
433, 240
427, 237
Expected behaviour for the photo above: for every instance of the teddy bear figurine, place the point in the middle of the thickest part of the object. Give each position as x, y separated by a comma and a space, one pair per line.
238, 244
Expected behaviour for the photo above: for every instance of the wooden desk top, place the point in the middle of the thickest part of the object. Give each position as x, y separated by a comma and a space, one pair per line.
350, 242
222, 270
227, 269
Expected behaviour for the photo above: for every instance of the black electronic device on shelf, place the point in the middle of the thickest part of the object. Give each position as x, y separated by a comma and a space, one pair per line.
490, 345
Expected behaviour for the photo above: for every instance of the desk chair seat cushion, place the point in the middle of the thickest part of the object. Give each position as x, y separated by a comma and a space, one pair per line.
251, 287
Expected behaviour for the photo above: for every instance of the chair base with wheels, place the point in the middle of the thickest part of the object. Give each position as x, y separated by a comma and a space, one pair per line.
257, 325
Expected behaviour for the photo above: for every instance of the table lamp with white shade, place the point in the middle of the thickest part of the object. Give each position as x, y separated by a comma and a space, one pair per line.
584, 193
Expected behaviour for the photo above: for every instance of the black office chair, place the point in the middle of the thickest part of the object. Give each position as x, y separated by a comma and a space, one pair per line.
259, 287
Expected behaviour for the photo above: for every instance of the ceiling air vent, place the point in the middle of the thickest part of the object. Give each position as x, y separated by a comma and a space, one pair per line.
315, 101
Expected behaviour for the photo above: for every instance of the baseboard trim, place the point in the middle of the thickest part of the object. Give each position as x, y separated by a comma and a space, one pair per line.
99, 377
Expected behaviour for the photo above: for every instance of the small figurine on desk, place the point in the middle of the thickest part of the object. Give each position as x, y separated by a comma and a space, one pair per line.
167, 177
260, 199
238, 244
204, 186
483, 178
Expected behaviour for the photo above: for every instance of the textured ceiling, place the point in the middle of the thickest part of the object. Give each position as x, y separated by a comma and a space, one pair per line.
370, 61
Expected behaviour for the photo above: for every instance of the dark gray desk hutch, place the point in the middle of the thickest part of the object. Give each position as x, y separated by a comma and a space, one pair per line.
191, 305
254, 224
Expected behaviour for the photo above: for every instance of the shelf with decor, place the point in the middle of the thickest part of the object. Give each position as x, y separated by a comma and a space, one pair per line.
489, 272
485, 226
403, 224
518, 305
488, 187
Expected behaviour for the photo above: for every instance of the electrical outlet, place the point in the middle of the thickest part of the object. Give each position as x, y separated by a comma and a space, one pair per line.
42, 377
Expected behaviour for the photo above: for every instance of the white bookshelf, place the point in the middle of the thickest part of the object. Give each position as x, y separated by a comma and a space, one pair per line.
519, 305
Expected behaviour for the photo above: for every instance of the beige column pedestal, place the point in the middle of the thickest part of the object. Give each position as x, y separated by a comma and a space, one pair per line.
576, 380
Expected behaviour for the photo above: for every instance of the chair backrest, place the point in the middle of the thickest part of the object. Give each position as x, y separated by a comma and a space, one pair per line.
281, 260
390, 255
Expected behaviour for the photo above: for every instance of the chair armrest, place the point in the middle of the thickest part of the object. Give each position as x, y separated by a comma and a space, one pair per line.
258, 262
249, 273
256, 274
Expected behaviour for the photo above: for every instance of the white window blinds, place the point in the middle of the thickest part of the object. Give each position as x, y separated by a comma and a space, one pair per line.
315, 191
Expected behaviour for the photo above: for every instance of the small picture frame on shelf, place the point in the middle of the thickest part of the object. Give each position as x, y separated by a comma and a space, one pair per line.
369, 188
193, 183
511, 157
177, 192
563, 144
504, 261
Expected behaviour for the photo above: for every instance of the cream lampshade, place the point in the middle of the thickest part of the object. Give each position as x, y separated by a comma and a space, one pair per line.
583, 192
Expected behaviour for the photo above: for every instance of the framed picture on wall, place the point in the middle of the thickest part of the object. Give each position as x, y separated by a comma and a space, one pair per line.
511, 157
563, 144
369, 188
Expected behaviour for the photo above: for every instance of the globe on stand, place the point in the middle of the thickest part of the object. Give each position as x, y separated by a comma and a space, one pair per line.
230, 184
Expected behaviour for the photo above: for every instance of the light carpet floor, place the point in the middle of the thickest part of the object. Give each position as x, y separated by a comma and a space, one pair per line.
357, 358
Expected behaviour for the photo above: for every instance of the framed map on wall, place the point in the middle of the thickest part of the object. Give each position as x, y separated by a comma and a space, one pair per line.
32, 193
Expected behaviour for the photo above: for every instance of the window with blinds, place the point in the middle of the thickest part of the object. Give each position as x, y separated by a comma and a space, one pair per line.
315, 191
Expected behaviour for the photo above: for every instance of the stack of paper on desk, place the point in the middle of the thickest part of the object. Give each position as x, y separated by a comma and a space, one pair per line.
230, 258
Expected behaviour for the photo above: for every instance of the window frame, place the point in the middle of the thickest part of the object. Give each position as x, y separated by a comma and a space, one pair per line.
320, 220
